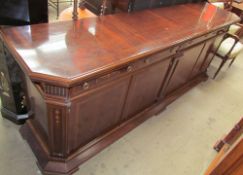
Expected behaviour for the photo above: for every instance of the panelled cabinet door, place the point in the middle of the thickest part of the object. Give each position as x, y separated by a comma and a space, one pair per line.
208, 59
202, 61
97, 111
144, 88
184, 67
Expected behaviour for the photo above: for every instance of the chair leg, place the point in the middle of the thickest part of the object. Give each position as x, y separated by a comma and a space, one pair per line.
232, 61
208, 54
220, 67
58, 8
206, 58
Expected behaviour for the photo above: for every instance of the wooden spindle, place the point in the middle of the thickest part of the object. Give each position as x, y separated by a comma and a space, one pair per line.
75, 10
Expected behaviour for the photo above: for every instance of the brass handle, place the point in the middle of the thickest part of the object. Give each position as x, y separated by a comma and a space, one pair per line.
129, 68
23, 102
86, 86
147, 61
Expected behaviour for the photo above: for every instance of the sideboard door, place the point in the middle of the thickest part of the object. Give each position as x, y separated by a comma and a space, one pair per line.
183, 67
97, 111
202, 61
144, 88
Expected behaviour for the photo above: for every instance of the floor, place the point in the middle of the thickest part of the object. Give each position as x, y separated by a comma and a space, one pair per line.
178, 141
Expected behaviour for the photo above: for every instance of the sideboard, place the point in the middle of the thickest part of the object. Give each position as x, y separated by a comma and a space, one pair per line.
91, 81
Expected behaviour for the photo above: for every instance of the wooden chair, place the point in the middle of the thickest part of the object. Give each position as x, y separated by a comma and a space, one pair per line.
227, 5
67, 14
231, 137
226, 48
56, 4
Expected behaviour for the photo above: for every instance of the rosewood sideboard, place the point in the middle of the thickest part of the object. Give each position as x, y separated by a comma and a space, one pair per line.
91, 81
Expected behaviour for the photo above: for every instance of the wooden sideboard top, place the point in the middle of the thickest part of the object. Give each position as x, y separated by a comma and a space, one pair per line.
68, 52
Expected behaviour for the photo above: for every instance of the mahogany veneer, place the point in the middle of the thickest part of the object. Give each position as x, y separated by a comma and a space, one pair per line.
229, 160
92, 81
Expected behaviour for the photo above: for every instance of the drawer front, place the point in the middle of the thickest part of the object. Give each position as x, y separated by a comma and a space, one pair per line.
125, 70
142, 63
203, 38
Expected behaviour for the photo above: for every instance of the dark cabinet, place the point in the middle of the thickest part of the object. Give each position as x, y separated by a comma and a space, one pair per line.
23, 12
133, 5
130, 5
12, 88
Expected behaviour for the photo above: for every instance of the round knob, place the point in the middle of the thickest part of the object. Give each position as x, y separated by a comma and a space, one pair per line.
86, 86
129, 68
147, 61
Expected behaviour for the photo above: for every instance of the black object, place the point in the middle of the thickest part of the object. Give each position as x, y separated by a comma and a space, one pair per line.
22, 12
143, 4
130, 5
12, 91
97, 7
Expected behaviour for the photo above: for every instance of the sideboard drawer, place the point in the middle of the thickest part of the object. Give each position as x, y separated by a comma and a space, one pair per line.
102, 79
203, 38
130, 68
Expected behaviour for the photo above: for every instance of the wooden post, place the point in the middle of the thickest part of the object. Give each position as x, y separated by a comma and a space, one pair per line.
103, 8
75, 10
